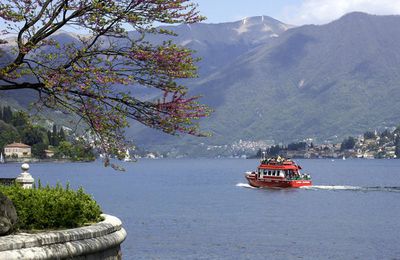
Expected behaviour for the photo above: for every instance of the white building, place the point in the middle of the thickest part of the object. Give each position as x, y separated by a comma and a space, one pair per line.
17, 150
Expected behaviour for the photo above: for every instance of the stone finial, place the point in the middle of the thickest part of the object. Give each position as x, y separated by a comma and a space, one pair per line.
25, 167
25, 178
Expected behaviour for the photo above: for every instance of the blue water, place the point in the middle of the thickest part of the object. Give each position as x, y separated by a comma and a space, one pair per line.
203, 209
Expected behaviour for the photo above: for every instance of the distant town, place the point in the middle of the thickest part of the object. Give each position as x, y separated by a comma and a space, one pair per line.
22, 140
370, 145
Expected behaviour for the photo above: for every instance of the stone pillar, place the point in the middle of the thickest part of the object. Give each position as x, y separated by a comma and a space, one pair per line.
25, 178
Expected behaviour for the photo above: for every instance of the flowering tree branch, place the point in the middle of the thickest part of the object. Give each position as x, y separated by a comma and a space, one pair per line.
96, 75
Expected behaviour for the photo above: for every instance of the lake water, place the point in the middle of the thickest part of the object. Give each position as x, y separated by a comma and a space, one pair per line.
203, 209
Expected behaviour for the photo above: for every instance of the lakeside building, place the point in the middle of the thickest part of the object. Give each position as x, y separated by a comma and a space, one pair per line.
17, 150
49, 153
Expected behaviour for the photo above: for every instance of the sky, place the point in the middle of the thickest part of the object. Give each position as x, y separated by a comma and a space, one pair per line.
296, 12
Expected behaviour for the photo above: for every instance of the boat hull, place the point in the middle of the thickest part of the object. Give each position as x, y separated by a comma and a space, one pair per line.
275, 183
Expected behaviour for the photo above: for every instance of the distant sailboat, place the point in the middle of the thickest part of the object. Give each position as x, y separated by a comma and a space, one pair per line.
127, 157
344, 158
2, 158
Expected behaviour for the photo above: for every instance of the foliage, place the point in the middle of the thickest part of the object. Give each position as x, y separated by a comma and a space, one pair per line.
55, 137
52, 208
397, 144
38, 150
369, 135
32, 135
17, 127
274, 150
22, 130
94, 76
297, 146
19, 120
348, 143
8, 134
6, 114
386, 134
78, 150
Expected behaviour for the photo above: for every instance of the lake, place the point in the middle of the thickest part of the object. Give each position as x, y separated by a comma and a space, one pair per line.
203, 209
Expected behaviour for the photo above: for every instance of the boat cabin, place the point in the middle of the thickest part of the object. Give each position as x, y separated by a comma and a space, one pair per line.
278, 172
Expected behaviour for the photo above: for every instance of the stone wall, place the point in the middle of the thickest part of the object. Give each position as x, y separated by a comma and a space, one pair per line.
98, 241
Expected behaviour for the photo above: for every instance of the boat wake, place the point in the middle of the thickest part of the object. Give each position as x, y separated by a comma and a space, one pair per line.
245, 185
352, 188
338, 188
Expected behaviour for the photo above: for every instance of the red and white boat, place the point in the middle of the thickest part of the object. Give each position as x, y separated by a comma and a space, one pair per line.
278, 173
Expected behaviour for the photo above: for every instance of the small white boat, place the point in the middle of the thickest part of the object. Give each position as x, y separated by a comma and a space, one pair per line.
2, 158
127, 157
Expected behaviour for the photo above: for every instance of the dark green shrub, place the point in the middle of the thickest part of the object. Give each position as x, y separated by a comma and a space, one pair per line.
52, 208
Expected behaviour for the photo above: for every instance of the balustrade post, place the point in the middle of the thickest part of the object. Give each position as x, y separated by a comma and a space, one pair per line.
25, 179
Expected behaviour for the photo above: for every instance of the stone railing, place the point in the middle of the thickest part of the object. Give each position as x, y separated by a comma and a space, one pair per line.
98, 241
25, 179
7, 181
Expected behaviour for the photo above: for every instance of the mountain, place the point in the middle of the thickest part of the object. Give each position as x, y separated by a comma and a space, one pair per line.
312, 81
23, 98
219, 44
268, 80
216, 44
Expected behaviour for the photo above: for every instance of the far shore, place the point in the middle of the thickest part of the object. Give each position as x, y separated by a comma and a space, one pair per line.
35, 160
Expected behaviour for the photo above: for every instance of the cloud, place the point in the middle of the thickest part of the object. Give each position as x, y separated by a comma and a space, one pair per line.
324, 11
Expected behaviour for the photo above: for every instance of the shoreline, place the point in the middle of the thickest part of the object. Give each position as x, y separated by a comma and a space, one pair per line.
34, 160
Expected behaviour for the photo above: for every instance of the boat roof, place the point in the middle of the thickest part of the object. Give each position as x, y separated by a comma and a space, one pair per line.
278, 164
279, 167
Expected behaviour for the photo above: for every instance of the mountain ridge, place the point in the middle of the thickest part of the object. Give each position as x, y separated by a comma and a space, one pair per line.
312, 81
289, 59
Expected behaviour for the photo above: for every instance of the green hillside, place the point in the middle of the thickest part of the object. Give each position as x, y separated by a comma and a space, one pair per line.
314, 81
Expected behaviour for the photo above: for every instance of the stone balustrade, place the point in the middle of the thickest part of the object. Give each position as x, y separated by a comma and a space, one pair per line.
25, 179
98, 241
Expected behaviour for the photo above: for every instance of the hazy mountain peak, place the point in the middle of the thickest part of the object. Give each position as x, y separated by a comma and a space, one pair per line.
356, 14
260, 24
262, 19
360, 17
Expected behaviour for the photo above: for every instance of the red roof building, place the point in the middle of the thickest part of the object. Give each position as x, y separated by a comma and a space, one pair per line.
17, 150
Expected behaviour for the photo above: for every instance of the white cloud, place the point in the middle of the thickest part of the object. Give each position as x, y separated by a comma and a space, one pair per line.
324, 11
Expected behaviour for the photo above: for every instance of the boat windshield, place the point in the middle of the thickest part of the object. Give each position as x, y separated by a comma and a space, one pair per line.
266, 172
